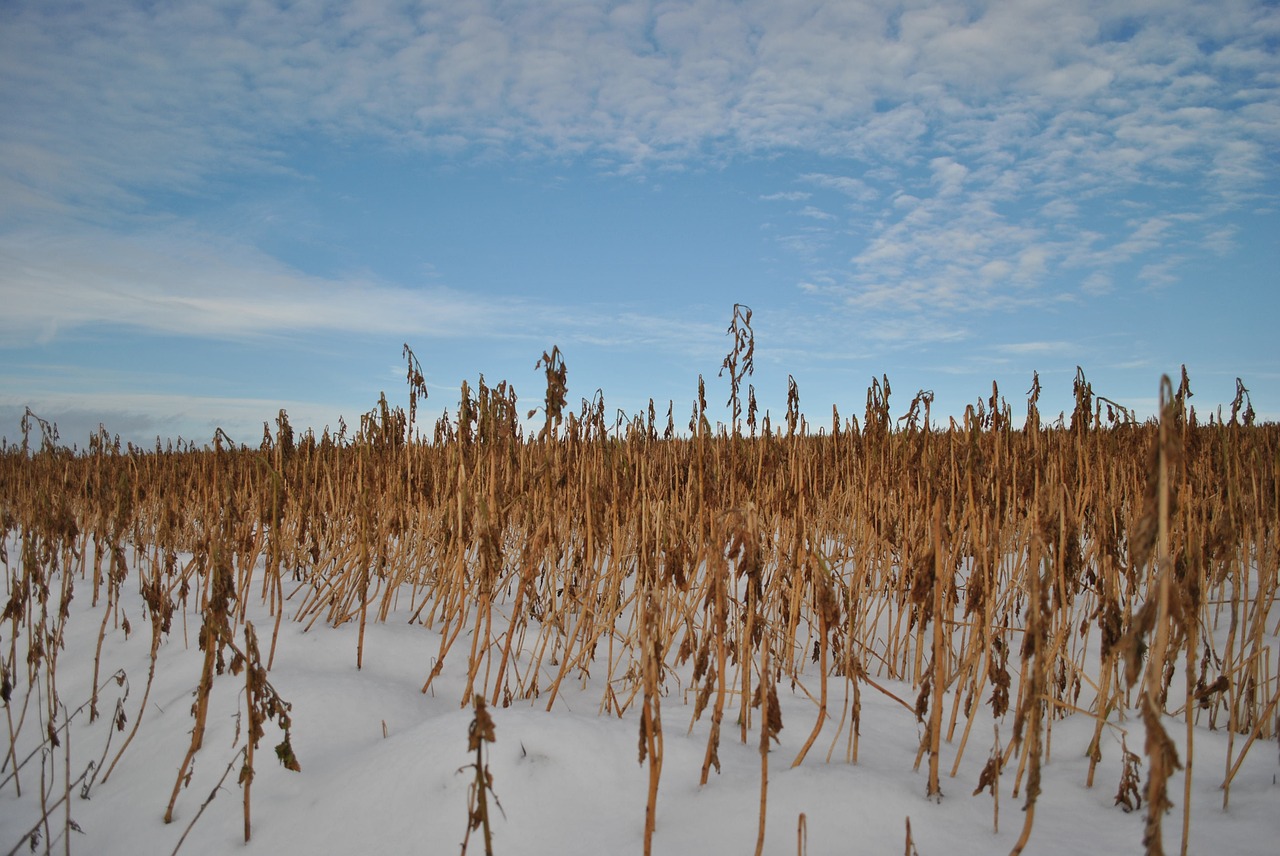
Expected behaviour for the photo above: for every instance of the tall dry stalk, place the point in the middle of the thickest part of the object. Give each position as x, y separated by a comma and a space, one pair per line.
597, 553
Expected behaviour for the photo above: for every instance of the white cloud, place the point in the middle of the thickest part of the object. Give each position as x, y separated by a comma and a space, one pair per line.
995, 270
1096, 284
1221, 241
1032, 264
815, 213
1036, 348
1161, 274
948, 175
980, 141
571, 76
187, 286
854, 188
1076, 80
201, 287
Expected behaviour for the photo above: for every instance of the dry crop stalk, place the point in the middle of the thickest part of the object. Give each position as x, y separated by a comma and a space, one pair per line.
214, 631
940, 597
1161, 755
857, 495
718, 580
1031, 713
827, 610
770, 725
651, 740
989, 779
480, 732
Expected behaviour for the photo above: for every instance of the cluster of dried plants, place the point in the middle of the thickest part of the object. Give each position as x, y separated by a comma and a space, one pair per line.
1092, 566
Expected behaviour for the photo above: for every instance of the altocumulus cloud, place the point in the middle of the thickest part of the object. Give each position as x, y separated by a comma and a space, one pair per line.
950, 158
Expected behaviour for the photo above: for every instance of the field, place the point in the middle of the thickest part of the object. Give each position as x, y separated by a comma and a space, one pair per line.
620, 635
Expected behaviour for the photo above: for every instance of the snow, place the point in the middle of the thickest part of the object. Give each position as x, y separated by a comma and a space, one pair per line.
385, 767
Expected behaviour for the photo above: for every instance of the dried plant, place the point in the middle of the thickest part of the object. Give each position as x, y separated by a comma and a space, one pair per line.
480, 732
1106, 567
1129, 793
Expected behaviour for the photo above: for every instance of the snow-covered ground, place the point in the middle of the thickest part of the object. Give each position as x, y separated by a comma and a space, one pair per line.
382, 766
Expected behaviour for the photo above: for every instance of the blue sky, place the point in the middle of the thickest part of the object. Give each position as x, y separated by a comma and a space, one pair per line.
212, 210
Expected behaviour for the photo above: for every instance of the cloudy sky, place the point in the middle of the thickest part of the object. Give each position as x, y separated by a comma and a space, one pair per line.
212, 210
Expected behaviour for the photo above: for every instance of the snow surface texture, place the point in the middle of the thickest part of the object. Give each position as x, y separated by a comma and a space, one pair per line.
383, 765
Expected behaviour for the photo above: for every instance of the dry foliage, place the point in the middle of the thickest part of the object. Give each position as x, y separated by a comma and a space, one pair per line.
1032, 571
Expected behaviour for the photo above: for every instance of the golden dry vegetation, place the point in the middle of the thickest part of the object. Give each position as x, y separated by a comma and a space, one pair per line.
1096, 567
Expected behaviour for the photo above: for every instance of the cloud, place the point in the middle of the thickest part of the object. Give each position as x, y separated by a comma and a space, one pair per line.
854, 188
1158, 275
948, 175
1222, 240
986, 145
1096, 284
144, 94
995, 270
179, 285
1036, 348
815, 213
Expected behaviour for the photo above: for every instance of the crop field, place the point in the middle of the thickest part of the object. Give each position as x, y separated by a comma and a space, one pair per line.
998, 600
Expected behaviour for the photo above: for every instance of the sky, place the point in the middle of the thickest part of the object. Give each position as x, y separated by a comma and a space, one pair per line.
210, 211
